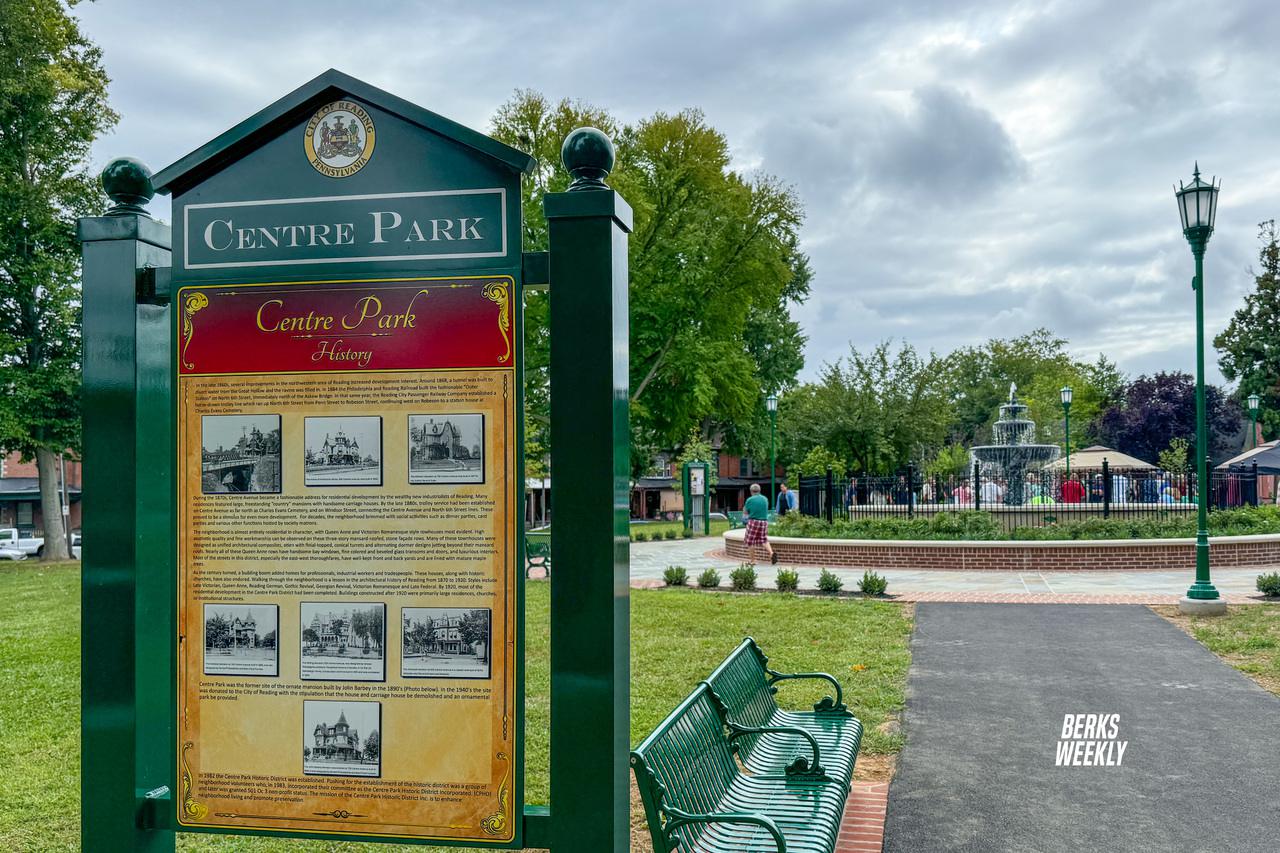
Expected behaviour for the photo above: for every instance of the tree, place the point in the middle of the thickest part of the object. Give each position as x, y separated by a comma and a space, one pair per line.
1176, 458
1249, 348
374, 624
714, 268
310, 637
697, 449
474, 628
373, 745
875, 411
269, 640
1158, 409
217, 632
53, 104
817, 461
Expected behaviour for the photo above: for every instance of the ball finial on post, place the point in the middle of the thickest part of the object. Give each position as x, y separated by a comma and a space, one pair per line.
127, 182
588, 155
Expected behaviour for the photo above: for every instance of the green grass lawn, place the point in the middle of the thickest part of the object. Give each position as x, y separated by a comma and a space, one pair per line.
1248, 638
677, 637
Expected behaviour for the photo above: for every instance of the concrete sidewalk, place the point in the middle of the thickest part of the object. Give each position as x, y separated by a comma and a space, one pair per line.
988, 690
649, 559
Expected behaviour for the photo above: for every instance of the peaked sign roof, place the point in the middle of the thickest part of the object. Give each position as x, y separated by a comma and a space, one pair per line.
267, 123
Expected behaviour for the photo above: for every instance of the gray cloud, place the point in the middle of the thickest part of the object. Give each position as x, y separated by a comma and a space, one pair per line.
969, 169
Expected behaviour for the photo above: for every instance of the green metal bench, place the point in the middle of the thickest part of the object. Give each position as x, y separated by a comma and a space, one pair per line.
745, 686
537, 553
736, 519
698, 800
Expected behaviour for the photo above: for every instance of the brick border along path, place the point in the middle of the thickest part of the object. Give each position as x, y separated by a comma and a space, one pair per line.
862, 828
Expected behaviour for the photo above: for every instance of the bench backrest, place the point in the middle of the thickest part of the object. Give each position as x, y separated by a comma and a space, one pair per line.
685, 764
741, 684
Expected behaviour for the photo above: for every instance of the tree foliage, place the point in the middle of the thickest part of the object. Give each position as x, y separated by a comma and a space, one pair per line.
1249, 348
1157, 409
874, 411
714, 267
53, 104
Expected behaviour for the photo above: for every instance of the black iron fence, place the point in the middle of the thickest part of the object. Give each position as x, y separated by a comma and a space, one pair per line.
1030, 499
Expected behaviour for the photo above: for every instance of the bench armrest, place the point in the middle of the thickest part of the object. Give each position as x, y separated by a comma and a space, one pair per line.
678, 818
799, 767
827, 705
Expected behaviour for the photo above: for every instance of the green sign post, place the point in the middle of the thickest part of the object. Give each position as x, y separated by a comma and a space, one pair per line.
304, 611
696, 485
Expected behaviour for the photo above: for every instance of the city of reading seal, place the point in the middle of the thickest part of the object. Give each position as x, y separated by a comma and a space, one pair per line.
339, 139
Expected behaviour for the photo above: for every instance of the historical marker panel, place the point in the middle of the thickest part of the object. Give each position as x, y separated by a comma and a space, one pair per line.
347, 497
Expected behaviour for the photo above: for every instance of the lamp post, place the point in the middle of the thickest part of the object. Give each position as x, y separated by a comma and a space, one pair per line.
1198, 207
1066, 416
771, 403
1254, 403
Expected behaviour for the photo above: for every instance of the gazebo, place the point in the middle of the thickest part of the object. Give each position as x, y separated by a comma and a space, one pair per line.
1090, 459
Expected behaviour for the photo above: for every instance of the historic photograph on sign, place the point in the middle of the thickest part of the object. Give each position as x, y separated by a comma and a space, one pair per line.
240, 453
446, 448
445, 642
343, 451
341, 738
241, 639
343, 641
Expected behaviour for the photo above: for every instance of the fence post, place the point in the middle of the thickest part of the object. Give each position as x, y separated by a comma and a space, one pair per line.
1254, 494
977, 486
831, 500
1106, 489
911, 490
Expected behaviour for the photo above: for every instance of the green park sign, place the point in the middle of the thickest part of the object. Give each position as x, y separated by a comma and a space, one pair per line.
304, 612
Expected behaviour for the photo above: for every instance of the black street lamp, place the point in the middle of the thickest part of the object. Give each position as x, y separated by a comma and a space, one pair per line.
1198, 207
1254, 403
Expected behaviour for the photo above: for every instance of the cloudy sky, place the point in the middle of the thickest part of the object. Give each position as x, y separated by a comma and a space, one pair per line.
969, 169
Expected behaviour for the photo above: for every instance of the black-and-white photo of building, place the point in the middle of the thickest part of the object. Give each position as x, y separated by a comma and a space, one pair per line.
240, 453
445, 642
446, 448
241, 639
341, 738
343, 641
342, 451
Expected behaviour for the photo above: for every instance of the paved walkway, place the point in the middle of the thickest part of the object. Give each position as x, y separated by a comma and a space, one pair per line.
649, 559
987, 693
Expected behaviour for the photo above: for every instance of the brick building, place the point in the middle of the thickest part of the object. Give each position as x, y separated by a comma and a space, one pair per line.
20, 494
658, 495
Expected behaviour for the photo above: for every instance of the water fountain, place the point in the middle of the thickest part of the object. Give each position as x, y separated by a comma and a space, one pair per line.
1014, 452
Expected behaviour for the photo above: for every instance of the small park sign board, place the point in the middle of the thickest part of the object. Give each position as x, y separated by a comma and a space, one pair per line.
348, 640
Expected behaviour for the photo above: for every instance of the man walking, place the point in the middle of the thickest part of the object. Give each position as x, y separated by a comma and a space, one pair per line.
757, 511
786, 500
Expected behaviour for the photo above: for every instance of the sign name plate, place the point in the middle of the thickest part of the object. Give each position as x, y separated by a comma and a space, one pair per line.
416, 226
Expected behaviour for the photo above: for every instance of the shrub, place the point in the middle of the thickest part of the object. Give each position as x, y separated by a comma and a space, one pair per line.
872, 583
787, 580
676, 576
670, 533
743, 578
642, 536
829, 582
1269, 585
687, 533
709, 579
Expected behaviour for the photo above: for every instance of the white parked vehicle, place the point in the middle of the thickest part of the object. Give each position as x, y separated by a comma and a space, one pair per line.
30, 546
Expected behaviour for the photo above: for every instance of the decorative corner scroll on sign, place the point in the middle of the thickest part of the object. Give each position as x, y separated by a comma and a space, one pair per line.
191, 809
496, 823
496, 291
193, 303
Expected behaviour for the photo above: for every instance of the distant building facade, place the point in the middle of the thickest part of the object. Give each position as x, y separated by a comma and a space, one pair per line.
340, 450
658, 496
20, 494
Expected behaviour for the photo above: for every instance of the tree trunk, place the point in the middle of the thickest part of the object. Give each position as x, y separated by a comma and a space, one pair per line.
55, 532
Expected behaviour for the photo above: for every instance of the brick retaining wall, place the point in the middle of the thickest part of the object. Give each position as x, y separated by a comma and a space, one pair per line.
1261, 552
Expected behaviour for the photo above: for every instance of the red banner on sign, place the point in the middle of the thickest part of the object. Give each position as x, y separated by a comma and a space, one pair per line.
413, 324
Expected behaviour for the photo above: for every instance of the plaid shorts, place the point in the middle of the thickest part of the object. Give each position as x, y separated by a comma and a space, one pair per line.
757, 532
